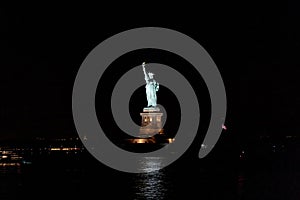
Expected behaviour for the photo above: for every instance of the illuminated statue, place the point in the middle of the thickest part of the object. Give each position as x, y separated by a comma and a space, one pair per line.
151, 87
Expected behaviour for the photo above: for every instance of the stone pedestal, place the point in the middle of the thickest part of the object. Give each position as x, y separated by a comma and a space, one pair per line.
151, 122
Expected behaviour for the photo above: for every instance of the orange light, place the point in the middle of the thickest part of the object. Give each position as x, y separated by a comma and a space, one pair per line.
140, 141
55, 149
171, 140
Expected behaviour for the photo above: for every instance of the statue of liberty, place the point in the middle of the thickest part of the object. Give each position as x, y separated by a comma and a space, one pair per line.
151, 87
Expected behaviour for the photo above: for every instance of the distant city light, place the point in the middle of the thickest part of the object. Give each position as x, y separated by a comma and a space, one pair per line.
9, 164
55, 149
224, 127
64, 149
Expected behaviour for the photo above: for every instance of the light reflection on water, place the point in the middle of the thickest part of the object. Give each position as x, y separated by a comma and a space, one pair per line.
151, 184
149, 164
65, 174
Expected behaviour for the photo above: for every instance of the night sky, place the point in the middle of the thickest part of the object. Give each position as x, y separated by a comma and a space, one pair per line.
255, 47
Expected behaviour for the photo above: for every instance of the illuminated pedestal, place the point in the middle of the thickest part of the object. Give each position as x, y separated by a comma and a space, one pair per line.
151, 130
151, 122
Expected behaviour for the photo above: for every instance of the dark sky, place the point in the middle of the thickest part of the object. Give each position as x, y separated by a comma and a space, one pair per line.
255, 47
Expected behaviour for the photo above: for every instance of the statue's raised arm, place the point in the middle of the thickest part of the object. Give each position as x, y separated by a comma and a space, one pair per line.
145, 73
